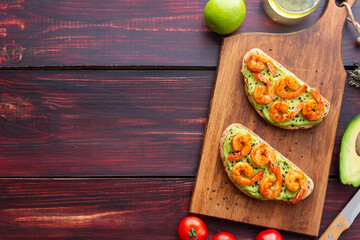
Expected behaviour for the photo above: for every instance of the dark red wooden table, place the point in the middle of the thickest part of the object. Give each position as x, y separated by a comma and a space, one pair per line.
102, 114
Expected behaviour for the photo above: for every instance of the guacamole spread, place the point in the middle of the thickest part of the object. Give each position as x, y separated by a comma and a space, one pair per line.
298, 120
253, 190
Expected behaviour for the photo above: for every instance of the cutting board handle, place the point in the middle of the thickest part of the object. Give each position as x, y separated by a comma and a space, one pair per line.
334, 15
328, 29
350, 2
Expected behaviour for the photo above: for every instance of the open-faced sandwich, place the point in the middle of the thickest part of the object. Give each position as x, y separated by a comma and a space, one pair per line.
260, 171
278, 95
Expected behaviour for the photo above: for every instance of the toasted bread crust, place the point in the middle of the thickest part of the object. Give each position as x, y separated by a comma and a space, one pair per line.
254, 50
221, 149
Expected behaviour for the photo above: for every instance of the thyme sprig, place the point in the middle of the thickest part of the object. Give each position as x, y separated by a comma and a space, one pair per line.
354, 79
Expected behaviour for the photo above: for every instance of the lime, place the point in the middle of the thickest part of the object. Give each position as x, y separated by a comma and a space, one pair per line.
224, 16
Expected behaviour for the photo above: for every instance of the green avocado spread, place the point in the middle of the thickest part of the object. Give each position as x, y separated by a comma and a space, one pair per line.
253, 190
298, 120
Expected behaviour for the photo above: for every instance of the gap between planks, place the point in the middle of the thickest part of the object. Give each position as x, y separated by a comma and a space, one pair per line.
347, 67
111, 68
331, 177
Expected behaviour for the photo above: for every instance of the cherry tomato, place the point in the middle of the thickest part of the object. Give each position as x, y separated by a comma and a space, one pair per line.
269, 234
224, 236
192, 228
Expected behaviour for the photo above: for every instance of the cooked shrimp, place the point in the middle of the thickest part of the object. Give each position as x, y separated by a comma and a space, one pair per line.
279, 111
265, 186
292, 84
256, 61
261, 154
246, 169
241, 143
314, 109
260, 96
294, 180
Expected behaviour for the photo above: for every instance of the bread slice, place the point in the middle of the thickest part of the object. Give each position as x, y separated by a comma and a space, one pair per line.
221, 148
256, 50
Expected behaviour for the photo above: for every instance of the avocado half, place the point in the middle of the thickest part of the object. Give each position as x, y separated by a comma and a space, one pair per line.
350, 154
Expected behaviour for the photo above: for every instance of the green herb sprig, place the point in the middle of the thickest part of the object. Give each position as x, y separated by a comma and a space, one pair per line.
354, 79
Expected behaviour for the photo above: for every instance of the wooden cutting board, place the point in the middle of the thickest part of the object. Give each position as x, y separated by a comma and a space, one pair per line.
314, 55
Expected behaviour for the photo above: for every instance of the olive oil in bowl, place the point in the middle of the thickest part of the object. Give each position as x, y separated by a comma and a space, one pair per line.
289, 11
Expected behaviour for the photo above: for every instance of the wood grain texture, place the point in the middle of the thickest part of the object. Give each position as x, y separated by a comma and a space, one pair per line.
127, 33
102, 123
230, 105
88, 123
108, 123
126, 209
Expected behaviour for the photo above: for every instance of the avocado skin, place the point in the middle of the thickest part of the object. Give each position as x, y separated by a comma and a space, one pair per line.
344, 156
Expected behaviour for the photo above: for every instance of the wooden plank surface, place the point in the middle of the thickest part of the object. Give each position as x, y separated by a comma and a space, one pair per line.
108, 123
133, 208
127, 33
102, 123
229, 104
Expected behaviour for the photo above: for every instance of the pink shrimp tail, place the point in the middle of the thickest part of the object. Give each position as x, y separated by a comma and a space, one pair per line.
257, 176
299, 196
301, 89
271, 68
234, 156
297, 109
316, 95
272, 167
261, 77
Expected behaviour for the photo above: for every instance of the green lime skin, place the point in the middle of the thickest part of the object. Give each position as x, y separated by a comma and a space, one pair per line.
224, 16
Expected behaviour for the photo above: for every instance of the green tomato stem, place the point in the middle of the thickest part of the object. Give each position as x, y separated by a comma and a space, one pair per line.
192, 234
